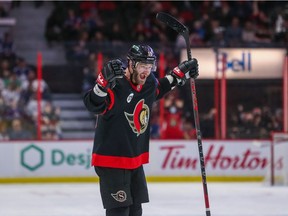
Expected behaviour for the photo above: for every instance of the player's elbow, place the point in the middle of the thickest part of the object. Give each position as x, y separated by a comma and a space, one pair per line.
94, 106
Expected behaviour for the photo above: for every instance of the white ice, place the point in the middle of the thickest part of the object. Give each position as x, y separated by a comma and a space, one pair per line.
166, 199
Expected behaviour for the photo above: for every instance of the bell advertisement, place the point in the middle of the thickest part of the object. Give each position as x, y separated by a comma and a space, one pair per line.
242, 63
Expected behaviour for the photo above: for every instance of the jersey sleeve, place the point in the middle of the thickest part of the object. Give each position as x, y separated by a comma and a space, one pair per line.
163, 87
98, 104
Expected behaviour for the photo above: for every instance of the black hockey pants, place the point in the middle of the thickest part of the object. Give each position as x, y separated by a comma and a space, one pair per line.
133, 210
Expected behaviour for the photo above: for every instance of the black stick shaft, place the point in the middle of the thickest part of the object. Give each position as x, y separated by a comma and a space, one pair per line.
198, 131
183, 30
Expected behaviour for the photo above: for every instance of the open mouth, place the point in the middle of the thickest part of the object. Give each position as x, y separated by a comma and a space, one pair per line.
142, 76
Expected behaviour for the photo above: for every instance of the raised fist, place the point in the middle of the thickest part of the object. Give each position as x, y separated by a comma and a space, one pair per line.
111, 71
186, 70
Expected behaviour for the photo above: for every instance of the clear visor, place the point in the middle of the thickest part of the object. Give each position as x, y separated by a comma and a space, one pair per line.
146, 65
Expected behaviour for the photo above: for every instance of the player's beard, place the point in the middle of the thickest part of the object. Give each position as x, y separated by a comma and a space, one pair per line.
138, 79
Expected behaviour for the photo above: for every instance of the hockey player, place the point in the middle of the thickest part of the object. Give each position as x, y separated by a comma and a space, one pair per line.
123, 99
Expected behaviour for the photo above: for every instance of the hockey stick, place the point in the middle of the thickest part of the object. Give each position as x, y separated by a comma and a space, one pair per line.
184, 31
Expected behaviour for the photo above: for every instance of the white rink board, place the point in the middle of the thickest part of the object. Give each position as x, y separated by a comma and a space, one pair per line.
222, 158
167, 158
44, 158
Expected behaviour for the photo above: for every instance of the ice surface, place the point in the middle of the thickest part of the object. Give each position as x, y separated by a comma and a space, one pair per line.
166, 199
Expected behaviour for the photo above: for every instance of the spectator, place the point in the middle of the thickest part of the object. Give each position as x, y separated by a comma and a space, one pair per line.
21, 69
262, 23
13, 110
44, 89
173, 122
217, 34
32, 107
154, 127
207, 123
198, 34
51, 122
92, 21
30, 86
5, 72
249, 34
189, 131
54, 25
72, 26
141, 33
233, 33
27, 87
80, 51
100, 43
7, 45
226, 14
17, 132
7, 48
2, 85
12, 92
3, 121
117, 36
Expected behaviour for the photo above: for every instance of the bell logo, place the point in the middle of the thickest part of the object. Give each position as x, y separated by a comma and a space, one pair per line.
32, 157
237, 64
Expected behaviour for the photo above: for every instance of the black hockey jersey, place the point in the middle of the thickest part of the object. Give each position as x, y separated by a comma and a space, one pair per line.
123, 128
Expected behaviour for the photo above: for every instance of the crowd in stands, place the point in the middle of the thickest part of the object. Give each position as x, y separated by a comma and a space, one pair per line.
255, 123
86, 28
18, 95
19, 104
211, 23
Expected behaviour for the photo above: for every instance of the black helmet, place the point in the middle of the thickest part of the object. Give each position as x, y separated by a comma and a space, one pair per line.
143, 54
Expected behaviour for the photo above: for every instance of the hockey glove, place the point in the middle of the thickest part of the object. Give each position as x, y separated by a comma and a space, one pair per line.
107, 77
185, 70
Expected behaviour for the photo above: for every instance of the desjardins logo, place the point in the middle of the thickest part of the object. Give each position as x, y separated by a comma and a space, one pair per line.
32, 157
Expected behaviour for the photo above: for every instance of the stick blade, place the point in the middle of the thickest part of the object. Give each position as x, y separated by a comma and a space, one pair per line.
171, 22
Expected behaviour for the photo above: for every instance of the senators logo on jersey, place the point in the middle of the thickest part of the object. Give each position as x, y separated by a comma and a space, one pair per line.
139, 119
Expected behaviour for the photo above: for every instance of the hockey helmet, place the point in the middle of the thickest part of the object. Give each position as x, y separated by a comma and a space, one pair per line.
143, 54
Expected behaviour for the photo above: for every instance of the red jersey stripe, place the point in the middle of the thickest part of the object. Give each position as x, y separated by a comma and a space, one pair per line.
119, 162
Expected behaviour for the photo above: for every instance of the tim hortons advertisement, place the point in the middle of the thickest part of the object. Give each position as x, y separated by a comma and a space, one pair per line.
222, 158
242, 63
167, 158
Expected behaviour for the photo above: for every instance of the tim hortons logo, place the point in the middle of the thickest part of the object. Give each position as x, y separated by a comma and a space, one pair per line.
216, 159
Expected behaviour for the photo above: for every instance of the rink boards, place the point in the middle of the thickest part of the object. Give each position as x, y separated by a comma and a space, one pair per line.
175, 160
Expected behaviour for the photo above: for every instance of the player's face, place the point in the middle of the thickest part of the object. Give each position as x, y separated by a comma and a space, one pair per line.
141, 72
